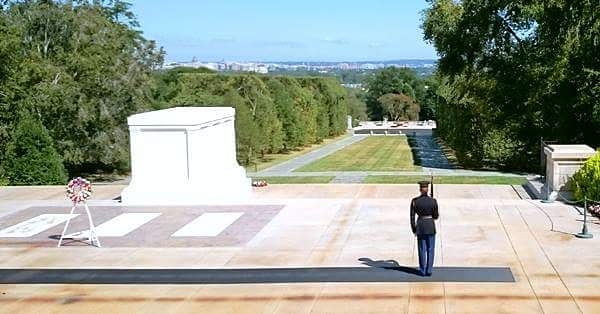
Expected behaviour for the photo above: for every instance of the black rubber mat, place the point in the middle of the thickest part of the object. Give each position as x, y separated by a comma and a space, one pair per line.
251, 275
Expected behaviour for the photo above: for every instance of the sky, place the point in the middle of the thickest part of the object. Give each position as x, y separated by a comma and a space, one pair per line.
285, 30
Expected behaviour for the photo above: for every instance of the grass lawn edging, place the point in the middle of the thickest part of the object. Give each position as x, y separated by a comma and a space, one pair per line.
391, 179
501, 180
295, 179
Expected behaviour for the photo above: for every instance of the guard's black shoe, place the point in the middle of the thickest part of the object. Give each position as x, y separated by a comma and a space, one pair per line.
428, 274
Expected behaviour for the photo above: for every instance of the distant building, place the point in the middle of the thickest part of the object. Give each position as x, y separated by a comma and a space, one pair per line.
352, 85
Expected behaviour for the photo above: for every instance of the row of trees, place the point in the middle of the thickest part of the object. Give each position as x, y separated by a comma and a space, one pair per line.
273, 114
513, 72
70, 74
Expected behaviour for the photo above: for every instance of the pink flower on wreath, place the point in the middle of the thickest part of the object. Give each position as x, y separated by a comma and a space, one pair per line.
79, 190
595, 209
259, 183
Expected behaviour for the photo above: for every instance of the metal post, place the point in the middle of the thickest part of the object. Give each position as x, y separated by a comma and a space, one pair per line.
548, 198
584, 232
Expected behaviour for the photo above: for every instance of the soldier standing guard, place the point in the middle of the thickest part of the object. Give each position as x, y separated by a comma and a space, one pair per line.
426, 208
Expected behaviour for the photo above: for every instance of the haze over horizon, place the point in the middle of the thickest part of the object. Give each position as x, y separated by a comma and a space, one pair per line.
271, 31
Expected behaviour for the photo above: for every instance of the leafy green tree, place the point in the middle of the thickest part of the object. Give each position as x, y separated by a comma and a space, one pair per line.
391, 80
30, 157
399, 107
248, 135
357, 108
9, 43
429, 99
258, 100
82, 68
201, 90
167, 84
527, 70
319, 105
306, 105
288, 113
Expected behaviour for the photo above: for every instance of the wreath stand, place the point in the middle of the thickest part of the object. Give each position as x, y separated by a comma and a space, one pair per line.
78, 190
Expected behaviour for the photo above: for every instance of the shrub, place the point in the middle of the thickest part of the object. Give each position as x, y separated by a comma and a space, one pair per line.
3, 178
586, 181
31, 158
499, 147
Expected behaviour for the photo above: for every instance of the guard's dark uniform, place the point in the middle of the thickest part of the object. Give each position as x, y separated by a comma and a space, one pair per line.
426, 208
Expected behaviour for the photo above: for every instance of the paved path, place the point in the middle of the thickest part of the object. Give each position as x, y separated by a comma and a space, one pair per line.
295, 163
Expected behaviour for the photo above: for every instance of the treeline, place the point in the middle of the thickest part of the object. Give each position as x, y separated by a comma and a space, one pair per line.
71, 72
512, 73
273, 113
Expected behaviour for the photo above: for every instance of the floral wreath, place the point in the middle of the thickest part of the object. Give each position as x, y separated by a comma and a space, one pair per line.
259, 183
79, 190
595, 209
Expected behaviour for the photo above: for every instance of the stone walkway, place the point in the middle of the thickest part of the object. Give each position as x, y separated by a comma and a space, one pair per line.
336, 226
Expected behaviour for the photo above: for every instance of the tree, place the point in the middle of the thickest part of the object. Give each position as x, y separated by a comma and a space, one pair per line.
399, 107
30, 157
260, 103
9, 43
167, 84
391, 80
306, 105
515, 70
81, 68
357, 108
248, 135
430, 98
319, 105
287, 112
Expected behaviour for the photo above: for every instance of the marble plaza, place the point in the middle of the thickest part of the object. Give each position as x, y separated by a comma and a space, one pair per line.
305, 226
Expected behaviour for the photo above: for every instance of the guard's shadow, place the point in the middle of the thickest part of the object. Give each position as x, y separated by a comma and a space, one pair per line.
389, 264
68, 241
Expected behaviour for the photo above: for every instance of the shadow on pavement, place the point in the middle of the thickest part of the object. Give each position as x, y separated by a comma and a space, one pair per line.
389, 264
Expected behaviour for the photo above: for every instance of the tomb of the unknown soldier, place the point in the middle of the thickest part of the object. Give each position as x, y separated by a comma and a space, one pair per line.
184, 155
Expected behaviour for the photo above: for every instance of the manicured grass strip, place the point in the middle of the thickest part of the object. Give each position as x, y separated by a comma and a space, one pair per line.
448, 179
375, 153
270, 160
296, 180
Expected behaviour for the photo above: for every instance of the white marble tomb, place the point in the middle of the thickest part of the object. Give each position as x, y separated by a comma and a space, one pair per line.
184, 155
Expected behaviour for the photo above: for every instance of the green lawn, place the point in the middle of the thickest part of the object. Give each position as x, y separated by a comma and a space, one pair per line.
375, 153
270, 160
296, 180
448, 179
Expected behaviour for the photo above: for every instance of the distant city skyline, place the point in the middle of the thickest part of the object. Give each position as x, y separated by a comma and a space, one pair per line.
276, 31
321, 67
